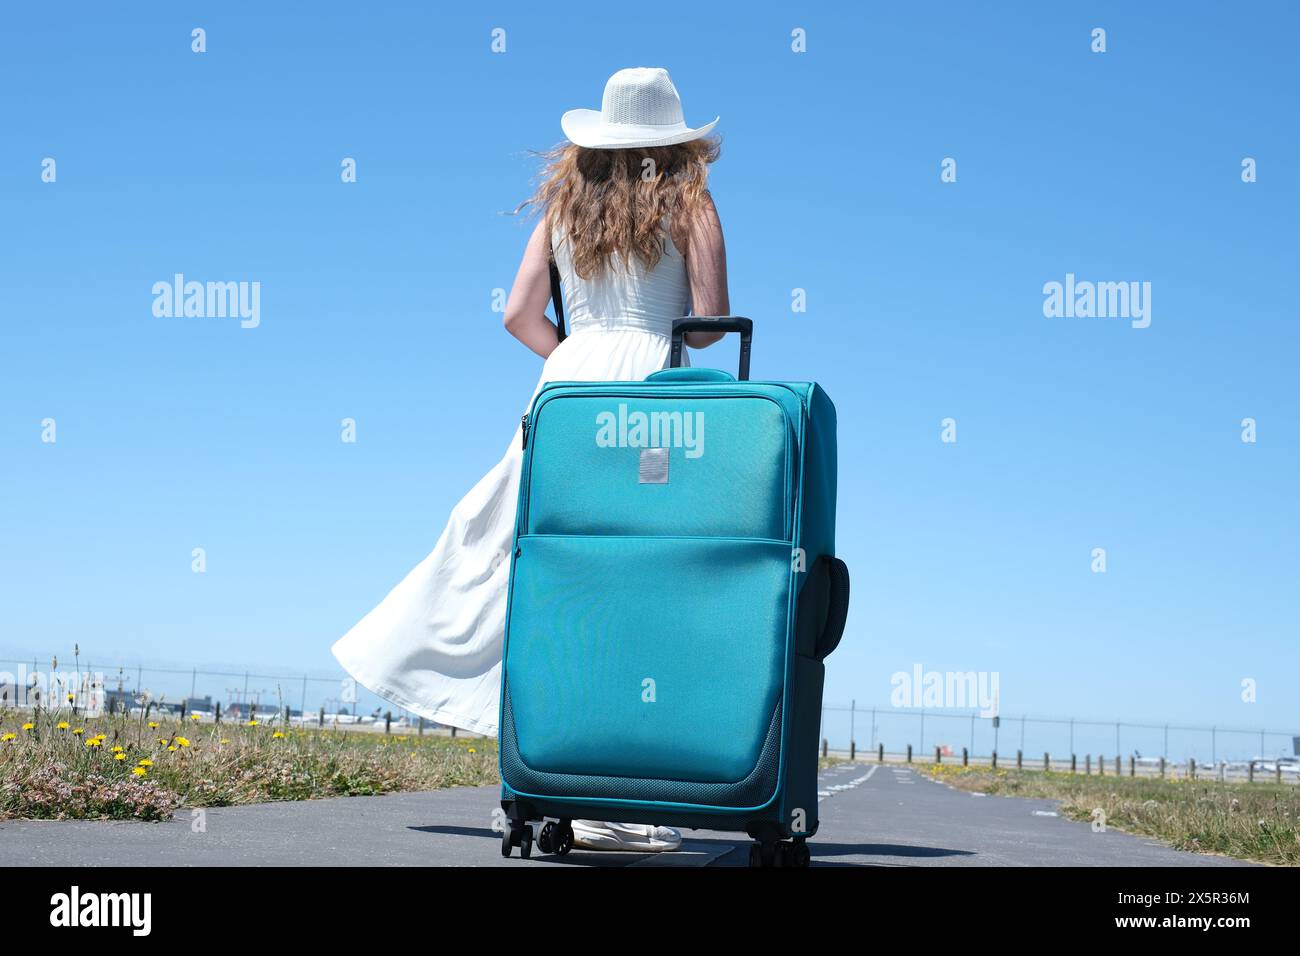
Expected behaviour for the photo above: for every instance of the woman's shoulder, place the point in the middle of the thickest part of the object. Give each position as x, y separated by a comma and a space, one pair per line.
699, 222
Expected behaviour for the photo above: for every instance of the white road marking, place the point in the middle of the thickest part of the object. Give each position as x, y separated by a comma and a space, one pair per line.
1044, 813
856, 782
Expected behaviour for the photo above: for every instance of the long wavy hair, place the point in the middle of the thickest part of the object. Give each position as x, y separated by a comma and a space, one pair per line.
613, 202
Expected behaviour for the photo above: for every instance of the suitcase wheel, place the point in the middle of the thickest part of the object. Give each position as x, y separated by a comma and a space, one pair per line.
556, 837
545, 836
780, 853
520, 835
800, 855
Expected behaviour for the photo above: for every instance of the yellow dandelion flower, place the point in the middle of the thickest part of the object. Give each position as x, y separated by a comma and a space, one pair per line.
472, 750
93, 742
119, 756
9, 736
194, 716
118, 749
224, 740
252, 723
139, 771
71, 697
29, 726
63, 725
153, 725
183, 741
171, 747
146, 762
79, 731
277, 735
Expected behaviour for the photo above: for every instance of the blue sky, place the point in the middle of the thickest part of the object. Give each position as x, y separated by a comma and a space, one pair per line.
924, 302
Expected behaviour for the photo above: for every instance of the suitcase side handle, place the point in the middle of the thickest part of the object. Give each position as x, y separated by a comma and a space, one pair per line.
838, 612
713, 323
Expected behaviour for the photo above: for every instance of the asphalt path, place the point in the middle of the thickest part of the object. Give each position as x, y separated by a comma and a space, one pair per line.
871, 815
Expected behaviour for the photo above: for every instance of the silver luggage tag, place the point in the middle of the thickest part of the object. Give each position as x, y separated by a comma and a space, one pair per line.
653, 468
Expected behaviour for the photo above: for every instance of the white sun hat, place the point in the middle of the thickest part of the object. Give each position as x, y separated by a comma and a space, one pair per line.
641, 108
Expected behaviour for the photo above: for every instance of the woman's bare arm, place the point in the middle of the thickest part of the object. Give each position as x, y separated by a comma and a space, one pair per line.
706, 268
525, 316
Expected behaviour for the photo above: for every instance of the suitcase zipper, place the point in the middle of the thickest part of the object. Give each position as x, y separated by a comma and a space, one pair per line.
523, 436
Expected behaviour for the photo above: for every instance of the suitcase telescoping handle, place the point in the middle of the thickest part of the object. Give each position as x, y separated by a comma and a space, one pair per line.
713, 323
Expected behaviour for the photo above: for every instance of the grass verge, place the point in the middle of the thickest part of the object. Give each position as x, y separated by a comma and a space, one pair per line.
55, 766
1249, 821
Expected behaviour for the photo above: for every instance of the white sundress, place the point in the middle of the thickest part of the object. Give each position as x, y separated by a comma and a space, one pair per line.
434, 644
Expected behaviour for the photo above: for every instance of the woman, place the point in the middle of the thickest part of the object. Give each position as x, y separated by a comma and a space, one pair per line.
638, 243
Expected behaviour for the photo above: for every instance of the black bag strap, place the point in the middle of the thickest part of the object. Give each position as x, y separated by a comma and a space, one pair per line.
557, 298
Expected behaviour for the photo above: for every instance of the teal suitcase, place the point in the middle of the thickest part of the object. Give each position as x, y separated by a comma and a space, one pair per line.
673, 592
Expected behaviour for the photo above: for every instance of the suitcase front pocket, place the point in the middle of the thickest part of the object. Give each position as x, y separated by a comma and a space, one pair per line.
659, 462
647, 658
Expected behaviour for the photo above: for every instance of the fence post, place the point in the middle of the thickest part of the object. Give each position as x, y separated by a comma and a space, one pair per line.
995, 760
1132, 766
217, 713
1074, 763
1101, 766
286, 715
909, 753
1118, 772
1020, 760
1087, 765
965, 757
421, 726
322, 716
1047, 761
388, 721
853, 726
1250, 772
826, 747
1277, 771
1191, 767
1162, 768
853, 750
880, 754
938, 755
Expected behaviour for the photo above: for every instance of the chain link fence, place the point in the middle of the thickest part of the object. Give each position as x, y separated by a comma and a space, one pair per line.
26, 683
970, 733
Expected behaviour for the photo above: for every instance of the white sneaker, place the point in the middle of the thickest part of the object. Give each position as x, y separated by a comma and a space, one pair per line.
633, 837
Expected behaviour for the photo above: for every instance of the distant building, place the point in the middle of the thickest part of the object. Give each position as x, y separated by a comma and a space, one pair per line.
12, 694
118, 701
